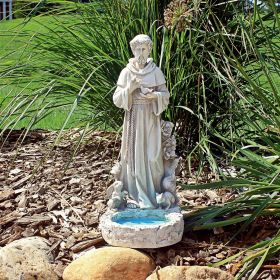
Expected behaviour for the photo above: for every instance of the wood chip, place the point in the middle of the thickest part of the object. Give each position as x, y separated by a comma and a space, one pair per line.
19, 183
6, 194
81, 246
38, 219
10, 218
52, 204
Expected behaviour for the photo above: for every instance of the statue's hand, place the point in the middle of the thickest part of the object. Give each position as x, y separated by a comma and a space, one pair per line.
146, 90
134, 84
150, 95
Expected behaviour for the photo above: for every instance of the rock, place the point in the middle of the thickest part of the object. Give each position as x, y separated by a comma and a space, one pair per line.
27, 259
110, 263
190, 272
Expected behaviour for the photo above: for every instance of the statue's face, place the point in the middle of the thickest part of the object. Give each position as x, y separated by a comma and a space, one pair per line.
141, 53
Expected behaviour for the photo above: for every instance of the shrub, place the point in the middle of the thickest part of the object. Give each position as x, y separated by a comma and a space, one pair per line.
80, 63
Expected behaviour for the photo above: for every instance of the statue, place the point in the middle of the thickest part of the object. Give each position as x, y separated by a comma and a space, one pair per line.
142, 93
143, 205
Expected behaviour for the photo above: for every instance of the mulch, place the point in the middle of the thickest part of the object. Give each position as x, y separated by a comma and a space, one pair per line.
46, 192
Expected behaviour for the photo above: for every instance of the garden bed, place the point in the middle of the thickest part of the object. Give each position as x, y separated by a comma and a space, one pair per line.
40, 198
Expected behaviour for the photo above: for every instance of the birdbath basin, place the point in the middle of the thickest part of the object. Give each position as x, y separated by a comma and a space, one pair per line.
140, 221
138, 228
132, 218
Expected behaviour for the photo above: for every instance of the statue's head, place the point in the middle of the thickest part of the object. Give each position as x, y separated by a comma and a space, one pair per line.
141, 46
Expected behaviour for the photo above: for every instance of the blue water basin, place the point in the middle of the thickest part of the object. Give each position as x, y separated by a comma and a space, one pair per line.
133, 221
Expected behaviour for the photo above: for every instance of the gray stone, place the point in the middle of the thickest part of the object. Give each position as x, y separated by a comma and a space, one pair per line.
190, 273
26, 259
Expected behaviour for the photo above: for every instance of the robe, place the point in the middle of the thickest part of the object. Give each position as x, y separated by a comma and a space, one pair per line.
142, 168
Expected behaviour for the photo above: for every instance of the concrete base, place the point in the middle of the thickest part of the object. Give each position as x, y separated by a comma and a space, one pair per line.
147, 233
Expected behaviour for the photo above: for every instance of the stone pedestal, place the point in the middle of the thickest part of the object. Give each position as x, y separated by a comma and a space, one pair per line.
138, 228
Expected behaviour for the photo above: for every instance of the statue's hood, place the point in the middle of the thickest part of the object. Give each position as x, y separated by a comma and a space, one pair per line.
150, 66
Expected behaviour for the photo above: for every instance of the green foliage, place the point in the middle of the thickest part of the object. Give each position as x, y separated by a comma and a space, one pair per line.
79, 64
257, 158
195, 63
28, 8
15, 42
256, 255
